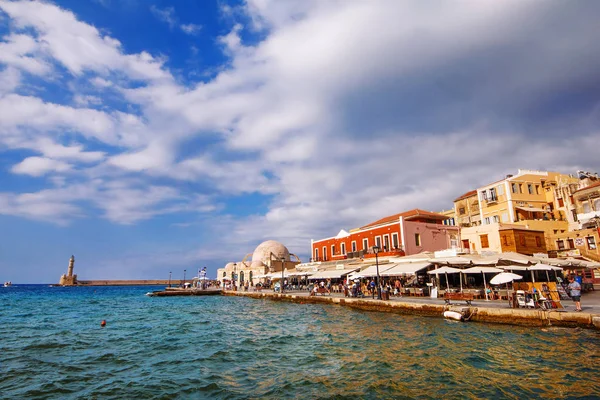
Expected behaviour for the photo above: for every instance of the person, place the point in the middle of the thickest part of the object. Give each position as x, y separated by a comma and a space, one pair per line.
372, 288
575, 292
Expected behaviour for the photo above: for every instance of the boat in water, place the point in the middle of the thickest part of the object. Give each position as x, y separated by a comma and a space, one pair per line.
7, 284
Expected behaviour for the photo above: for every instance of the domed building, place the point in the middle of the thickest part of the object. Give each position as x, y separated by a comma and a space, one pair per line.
269, 257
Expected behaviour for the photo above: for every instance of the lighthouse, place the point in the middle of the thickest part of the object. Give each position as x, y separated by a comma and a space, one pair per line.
69, 279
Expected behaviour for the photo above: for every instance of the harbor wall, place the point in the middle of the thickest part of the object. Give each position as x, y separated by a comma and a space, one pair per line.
138, 282
510, 316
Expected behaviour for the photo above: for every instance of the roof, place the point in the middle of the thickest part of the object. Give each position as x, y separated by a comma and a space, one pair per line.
588, 187
407, 214
466, 195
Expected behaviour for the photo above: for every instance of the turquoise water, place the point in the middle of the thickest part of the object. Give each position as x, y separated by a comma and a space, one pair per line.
52, 346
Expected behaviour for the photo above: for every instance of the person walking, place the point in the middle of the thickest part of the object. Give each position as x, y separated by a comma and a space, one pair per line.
575, 292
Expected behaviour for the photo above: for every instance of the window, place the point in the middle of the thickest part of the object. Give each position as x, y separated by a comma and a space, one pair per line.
530, 188
487, 220
324, 253
461, 211
332, 250
493, 195
515, 188
484, 241
386, 242
496, 219
353, 246
365, 244
574, 212
597, 205
538, 241
317, 254
504, 217
520, 188
484, 195
417, 239
378, 241
343, 247
561, 203
250, 278
591, 241
453, 241
586, 207
560, 244
537, 189
500, 190
395, 240
224, 274
522, 240
571, 243
242, 276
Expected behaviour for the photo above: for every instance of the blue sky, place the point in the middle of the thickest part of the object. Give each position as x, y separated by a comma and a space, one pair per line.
151, 136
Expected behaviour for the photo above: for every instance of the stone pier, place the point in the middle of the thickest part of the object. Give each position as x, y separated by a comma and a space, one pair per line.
510, 316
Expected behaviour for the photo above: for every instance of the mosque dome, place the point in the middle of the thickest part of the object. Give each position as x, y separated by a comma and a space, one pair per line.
264, 250
229, 265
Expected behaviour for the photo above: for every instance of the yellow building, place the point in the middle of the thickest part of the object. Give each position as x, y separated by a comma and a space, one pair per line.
466, 210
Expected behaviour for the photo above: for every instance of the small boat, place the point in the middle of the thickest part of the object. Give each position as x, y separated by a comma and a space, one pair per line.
7, 284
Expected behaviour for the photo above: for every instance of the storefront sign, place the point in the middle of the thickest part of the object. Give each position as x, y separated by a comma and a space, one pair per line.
579, 242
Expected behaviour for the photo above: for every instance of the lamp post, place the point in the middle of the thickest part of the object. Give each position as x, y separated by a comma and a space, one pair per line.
282, 274
169, 278
184, 271
376, 251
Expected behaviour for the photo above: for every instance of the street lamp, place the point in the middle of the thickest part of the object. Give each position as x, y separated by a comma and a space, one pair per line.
282, 275
376, 251
184, 271
169, 278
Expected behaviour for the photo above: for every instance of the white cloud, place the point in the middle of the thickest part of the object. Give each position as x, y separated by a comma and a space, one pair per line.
38, 166
166, 14
190, 29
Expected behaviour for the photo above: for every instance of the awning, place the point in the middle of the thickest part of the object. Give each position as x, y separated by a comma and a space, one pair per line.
371, 270
532, 209
405, 269
482, 270
331, 274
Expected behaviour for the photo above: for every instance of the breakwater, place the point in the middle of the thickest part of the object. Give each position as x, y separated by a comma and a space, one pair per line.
522, 317
135, 282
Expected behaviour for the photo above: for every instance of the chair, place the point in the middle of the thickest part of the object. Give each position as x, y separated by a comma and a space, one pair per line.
523, 300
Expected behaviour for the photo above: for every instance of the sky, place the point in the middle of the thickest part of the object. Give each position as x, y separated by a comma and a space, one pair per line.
147, 137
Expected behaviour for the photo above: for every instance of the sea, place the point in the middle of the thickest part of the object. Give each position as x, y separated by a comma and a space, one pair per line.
52, 346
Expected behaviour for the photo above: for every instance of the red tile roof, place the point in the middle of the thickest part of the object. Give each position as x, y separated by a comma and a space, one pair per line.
588, 187
407, 214
466, 195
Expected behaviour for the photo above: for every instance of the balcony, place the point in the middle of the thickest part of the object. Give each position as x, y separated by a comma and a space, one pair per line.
491, 200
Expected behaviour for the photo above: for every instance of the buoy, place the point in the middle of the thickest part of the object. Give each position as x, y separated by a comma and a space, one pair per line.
453, 315
103, 323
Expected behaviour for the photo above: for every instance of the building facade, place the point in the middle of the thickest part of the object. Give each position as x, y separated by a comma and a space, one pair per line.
401, 234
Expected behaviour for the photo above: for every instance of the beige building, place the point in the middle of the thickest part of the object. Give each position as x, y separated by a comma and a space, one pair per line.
497, 238
269, 257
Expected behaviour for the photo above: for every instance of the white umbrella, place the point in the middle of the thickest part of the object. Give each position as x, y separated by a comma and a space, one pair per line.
504, 277
543, 267
445, 270
483, 271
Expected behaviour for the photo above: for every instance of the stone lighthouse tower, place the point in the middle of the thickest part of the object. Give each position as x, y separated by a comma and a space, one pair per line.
69, 279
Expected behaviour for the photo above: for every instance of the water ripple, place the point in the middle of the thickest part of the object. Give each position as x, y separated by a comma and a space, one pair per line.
238, 348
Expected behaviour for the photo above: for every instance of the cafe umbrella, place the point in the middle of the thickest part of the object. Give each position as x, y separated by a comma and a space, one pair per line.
504, 277
482, 271
445, 270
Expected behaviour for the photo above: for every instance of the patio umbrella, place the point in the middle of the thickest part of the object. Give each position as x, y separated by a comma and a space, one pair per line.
445, 270
483, 271
541, 267
504, 277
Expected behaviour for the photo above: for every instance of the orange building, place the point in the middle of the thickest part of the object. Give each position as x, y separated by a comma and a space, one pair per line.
407, 233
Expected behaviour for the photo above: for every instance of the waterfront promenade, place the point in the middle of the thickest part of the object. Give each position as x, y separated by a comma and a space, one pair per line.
493, 311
